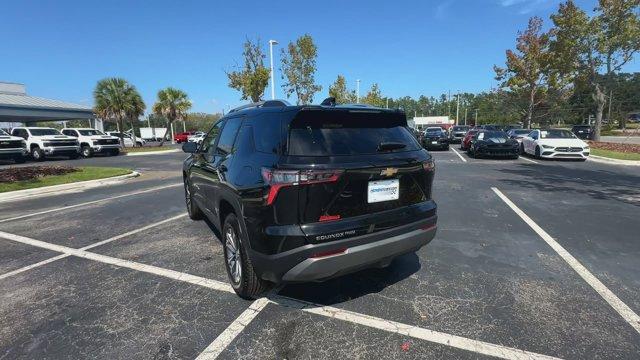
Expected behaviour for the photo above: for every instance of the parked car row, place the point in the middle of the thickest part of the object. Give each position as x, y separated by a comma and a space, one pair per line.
38, 143
541, 143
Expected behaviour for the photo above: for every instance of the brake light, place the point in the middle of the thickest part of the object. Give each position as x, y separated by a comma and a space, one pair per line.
329, 217
277, 179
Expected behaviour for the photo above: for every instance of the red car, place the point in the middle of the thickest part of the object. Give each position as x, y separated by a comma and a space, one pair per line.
466, 142
182, 137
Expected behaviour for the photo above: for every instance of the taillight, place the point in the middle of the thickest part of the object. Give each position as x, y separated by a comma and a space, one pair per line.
277, 179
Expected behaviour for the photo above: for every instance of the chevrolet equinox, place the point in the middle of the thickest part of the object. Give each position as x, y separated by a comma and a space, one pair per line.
308, 193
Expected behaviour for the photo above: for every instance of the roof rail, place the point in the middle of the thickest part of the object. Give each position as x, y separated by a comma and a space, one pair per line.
268, 103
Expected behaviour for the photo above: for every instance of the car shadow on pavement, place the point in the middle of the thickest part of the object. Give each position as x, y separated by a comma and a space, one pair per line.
598, 184
351, 286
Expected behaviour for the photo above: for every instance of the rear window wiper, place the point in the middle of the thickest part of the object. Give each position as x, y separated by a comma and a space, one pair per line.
387, 146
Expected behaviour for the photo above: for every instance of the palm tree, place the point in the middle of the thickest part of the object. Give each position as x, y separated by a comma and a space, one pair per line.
135, 109
173, 104
115, 100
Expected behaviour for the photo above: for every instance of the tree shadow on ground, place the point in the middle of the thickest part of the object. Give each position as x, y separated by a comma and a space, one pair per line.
597, 184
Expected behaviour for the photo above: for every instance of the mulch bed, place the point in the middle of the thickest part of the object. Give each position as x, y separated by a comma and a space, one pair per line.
624, 148
32, 172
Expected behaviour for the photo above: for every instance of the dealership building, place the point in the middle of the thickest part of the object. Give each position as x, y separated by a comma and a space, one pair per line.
18, 109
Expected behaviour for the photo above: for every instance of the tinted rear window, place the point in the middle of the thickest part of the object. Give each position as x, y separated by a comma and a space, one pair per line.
324, 133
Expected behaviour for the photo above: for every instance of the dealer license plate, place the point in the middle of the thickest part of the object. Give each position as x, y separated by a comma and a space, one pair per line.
383, 190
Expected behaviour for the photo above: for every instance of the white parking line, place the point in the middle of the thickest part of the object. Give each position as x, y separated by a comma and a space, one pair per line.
625, 311
455, 341
89, 202
527, 159
58, 257
233, 330
457, 153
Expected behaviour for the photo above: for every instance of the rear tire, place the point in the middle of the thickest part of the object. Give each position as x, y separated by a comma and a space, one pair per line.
537, 152
192, 208
242, 276
521, 149
37, 154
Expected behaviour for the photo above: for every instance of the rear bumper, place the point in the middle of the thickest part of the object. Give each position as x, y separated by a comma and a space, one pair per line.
359, 257
360, 252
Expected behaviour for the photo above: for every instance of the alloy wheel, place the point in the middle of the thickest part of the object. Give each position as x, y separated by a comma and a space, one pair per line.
234, 258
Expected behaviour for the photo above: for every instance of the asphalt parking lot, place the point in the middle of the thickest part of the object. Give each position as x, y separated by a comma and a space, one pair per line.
533, 259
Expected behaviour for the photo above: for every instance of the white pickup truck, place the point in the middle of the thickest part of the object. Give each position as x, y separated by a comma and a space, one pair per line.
94, 141
43, 142
12, 147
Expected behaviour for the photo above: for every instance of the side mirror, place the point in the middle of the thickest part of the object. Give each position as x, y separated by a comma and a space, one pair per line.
190, 147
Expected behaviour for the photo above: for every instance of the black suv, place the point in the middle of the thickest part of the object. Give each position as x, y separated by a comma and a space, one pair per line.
584, 132
307, 193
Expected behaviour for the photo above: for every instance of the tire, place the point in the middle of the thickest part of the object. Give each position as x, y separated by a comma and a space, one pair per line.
19, 159
446, 148
537, 152
86, 151
521, 149
470, 153
242, 276
192, 208
37, 154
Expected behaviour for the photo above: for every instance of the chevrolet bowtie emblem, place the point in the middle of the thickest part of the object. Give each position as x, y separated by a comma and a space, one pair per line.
388, 172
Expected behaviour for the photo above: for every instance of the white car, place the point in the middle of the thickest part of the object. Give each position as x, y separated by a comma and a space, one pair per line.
12, 147
42, 142
128, 141
94, 141
554, 144
197, 138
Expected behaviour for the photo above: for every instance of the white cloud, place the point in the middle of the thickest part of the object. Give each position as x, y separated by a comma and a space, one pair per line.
524, 6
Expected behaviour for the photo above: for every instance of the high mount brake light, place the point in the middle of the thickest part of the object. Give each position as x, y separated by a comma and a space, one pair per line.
277, 179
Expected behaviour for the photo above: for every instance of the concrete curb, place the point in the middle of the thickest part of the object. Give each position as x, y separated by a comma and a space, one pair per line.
605, 160
153, 152
56, 189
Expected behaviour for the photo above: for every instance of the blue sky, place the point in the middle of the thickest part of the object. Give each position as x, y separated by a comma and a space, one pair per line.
60, 49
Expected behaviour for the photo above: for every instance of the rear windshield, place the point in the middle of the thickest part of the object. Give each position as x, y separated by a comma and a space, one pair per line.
521, 131
460, 128
326, 133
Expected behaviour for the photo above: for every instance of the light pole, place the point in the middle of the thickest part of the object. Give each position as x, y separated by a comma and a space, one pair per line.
458, 108
358, 91
273, 85
476, 124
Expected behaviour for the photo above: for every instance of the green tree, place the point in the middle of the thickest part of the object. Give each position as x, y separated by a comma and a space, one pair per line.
595, 48
173, 104
115, 100
527, 70
253, 78
374, 97
339, 91
298, 69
